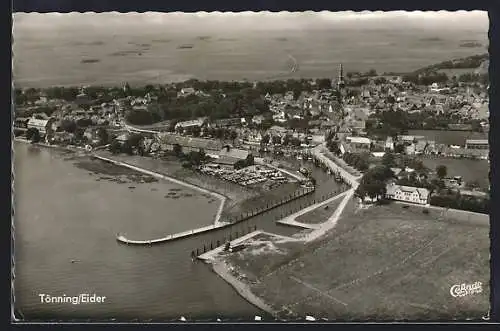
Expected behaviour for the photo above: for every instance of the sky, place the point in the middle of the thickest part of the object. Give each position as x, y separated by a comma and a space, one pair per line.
252, 21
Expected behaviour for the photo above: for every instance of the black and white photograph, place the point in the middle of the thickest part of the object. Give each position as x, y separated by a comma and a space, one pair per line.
250, 166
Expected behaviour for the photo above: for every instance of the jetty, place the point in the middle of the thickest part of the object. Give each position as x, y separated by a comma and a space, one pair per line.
171, 237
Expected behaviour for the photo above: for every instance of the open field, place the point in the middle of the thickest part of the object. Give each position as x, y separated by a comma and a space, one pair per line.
384, 262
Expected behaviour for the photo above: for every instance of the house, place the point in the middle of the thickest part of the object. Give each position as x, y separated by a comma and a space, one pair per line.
236, 153
389, 144
190, 124
409, 139
225, 162
420, 147
359, 142
254, 139
407, 194
188, 144
21, 122
378, 154
122, 138
44, 127
258, 119
187, 91
226, 122
453, 182
277, 130
477, 144
396, 171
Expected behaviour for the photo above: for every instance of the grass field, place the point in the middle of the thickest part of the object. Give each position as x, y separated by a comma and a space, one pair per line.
384, 262
320, 214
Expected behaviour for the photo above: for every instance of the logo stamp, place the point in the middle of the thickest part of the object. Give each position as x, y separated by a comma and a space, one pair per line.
462, 290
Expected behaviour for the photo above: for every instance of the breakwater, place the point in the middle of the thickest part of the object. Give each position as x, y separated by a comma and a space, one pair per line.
218, 224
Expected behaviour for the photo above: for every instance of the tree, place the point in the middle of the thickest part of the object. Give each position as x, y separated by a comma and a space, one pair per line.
196, 130
33, 135
333, 146
277, 140
115, 147
399, 148
265, 139
127, 148
68, 126
441, 171
388, 160
249, 160
233, 135
473, 185
177, 149
79, 134
103, 136
324, 83
371, 73
295, 141
135, 140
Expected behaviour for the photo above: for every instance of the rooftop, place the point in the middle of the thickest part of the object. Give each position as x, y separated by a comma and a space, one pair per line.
477, 141
359, 140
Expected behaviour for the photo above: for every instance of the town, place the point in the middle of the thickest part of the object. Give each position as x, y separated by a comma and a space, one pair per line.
218, 128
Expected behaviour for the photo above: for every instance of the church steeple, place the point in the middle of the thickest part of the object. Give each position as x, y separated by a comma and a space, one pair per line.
340, 79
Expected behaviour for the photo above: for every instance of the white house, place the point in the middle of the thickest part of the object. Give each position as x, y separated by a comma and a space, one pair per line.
44, 126
362, 143
187, 91
407, 194
190, 124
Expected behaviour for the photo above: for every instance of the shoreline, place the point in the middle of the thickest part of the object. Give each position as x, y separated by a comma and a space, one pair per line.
40, 144
222, 269
243, 290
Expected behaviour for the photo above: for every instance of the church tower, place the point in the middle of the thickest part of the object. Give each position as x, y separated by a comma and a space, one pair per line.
340, 79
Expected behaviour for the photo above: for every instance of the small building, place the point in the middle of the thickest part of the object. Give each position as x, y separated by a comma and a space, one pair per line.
21, 122
236, 153
226, 122
407, 194
477, 144
359, 142
409, 138
187, 91
258, 119
389, 144
122, 138
44, 126
190, 124
188, 144
226, 162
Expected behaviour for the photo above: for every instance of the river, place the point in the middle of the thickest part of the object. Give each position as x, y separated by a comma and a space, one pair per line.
63, 213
